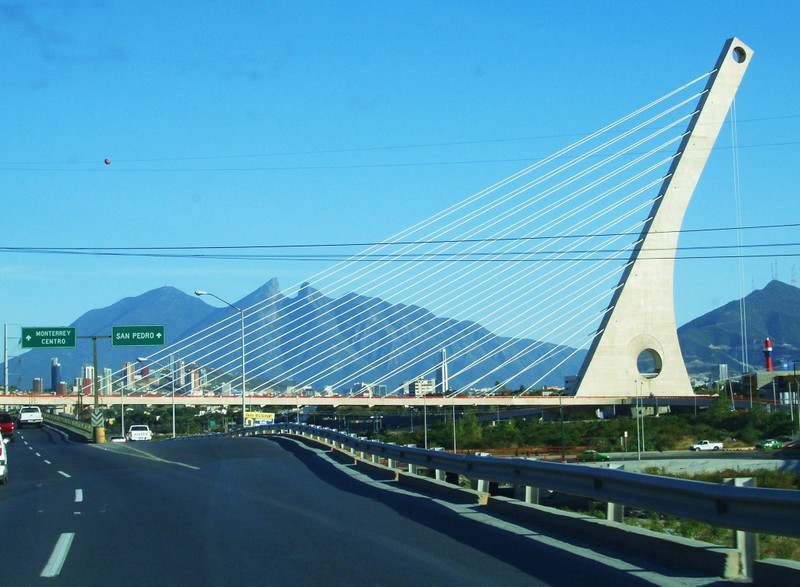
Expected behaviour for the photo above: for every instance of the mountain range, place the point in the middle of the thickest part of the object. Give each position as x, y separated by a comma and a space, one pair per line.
716, 338
708, 341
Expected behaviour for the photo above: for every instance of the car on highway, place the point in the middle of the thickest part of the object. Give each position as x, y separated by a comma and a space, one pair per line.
139, 432
769, 444
3, 461
7, 426
592, 456
30, 416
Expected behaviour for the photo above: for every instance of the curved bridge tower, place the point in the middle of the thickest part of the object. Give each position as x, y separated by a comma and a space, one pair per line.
641, 317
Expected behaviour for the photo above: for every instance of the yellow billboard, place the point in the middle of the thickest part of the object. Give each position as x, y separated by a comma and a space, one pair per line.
259, 418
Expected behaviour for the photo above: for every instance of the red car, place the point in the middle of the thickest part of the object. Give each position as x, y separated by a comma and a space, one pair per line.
7, 426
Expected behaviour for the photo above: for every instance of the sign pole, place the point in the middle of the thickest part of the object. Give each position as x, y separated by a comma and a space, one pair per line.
98, 427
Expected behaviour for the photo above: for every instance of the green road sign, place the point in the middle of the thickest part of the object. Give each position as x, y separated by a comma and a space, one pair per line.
58, 337
137, 335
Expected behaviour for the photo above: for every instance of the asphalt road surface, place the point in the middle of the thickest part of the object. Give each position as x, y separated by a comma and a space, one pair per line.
262, 511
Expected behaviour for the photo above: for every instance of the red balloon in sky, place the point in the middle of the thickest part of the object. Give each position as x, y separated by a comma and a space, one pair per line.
108, 161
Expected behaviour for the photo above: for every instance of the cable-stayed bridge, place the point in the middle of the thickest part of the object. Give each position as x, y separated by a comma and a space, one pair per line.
572, 255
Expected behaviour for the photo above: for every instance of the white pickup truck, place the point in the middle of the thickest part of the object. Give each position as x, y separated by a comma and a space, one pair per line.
706, 445
139, 432
29, 416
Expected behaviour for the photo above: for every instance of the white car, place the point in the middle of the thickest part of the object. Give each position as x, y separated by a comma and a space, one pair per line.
139, 432
4, 462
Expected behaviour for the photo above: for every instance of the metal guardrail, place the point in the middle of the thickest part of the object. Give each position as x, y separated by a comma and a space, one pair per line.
750, 509
78, 426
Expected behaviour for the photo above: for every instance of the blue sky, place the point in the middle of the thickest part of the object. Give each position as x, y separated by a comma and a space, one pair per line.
233, 124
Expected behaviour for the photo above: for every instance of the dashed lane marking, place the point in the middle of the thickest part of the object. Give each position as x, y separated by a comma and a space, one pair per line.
60, 552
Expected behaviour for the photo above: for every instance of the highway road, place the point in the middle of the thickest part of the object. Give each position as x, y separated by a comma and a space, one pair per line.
262, 511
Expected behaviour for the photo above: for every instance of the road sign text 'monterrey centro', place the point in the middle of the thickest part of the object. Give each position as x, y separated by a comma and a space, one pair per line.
640, 321
48, 337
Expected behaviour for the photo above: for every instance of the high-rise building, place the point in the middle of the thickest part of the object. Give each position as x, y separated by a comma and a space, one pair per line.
106, 381
195, 384
363, 389
128, 373
442, 377
55, 374
421, 387
181, 374
87, 373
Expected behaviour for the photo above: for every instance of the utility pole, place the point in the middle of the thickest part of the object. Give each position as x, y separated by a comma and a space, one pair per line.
99, 428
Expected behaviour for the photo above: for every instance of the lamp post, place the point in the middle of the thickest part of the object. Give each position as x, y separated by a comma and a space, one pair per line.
241, 317
796, 390
561, 417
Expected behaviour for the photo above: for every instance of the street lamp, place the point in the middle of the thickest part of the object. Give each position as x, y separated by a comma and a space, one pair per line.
796, 390
241, 316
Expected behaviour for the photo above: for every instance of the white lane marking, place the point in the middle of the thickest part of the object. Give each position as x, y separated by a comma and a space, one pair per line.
38, 455
48, 462
65, 475
78, 495
140, 454
60, 551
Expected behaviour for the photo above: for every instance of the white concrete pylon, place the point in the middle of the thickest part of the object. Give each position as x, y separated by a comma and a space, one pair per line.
641, 316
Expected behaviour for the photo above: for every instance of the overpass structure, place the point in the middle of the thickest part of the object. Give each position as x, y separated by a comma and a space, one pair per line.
517, 401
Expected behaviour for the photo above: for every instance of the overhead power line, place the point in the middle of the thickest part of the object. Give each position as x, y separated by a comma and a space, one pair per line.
199, 252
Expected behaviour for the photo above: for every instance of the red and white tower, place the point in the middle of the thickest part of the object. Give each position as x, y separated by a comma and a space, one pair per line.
768, 355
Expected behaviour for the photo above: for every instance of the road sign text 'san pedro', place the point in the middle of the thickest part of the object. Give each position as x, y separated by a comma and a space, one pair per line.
137, 335
706, 445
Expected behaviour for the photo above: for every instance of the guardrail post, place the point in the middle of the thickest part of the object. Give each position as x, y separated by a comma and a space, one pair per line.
392, 463
483, 485
532, 494
441, 475
615, 511
527, 494
745, 542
